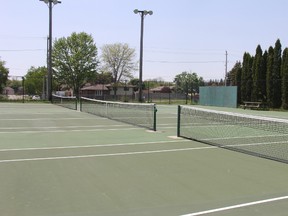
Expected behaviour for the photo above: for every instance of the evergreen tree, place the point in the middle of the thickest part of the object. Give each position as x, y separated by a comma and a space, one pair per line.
276, 76
284, 73
264, 76
257, 75
246, 77
234, 78
269, 83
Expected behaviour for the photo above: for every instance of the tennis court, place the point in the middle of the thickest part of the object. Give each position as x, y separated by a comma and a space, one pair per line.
57, 161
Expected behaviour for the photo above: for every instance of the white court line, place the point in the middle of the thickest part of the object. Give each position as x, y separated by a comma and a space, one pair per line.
236, 206
104, 155
41, 119
29, 113
61, 127
92, 146
67, 131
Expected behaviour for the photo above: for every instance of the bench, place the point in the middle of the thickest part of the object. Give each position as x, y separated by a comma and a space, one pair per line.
253, 105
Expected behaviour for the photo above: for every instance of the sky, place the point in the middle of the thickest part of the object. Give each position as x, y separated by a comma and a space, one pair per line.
182, 35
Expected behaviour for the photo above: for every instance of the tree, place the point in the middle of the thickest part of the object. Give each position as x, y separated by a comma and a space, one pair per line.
104, 78
284, 73
264, 76
276, 76
3, 75
257, 75
269, 81
234, 78
35, 81
246, 77
75, 60
188, 82
118, 59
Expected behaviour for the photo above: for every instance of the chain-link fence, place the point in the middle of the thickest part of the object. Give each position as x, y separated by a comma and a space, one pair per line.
19, 89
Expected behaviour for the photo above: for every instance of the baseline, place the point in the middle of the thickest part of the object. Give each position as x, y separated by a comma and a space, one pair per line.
237, 206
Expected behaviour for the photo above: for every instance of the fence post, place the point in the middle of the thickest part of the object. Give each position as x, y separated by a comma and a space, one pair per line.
178, 120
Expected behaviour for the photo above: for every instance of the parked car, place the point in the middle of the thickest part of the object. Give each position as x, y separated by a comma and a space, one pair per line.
36, 97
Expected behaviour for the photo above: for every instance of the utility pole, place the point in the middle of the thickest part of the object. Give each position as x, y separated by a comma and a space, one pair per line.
226, 54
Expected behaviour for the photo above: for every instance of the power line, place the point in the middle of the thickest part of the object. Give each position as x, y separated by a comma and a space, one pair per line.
22, 37
22, 50
183, 62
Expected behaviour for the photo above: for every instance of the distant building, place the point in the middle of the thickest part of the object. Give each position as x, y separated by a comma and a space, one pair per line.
95, 91
161, 89
108, 91
8, 91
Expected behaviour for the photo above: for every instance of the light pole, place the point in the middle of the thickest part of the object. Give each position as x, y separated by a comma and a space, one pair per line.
50, 4
142, 14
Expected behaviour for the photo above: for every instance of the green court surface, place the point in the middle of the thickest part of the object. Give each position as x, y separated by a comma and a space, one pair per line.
59, 162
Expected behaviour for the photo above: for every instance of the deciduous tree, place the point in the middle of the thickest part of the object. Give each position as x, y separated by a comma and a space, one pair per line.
118, 59
75, 60
3, 75
35, 81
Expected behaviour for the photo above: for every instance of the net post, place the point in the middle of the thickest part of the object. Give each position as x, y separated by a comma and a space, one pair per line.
178, 120
155, 111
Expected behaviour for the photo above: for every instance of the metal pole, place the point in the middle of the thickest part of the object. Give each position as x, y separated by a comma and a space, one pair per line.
50, 4
141, 58
23, 91
142, 14
50, 54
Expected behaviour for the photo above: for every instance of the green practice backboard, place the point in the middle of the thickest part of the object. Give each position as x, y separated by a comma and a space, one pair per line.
221, 96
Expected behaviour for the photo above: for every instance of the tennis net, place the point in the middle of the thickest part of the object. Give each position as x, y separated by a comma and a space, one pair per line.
68, 102
143, 115
255, 135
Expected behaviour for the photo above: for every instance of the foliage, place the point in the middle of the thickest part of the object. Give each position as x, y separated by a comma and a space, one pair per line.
284, 73
103, 78
35, 80
269, 80
234, 78
246, 77
233, 75
118, 59
263, 77
3, 75
276, 76
258, 76
75, 60
188, 82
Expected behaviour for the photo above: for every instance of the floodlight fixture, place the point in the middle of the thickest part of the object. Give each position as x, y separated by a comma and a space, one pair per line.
142, 13
56, 2
45, 1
